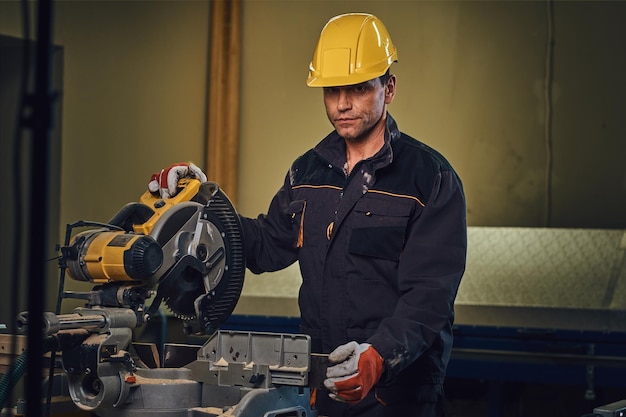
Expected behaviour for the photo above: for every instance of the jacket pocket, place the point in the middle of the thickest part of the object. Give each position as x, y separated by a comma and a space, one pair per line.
296, 211
379, 228
384, 242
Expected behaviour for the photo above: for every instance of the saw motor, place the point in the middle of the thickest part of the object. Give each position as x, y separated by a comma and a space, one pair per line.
101, 256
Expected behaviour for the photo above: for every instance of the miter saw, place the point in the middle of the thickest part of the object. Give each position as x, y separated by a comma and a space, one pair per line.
189, 247
187, 253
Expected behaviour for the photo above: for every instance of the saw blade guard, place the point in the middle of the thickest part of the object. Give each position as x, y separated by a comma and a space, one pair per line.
203, 258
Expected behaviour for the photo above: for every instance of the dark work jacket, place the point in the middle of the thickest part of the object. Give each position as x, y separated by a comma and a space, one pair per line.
381, 254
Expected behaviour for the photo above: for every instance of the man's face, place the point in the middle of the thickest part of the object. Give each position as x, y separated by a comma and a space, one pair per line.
355, 109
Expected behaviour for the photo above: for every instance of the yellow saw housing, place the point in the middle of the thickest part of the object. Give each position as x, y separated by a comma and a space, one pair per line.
107, 256
104, 255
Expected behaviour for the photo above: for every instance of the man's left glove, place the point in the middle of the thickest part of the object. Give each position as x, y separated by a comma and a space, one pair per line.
357, 367
166, 181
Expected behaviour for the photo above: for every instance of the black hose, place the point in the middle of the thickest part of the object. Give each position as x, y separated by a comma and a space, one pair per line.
18, 368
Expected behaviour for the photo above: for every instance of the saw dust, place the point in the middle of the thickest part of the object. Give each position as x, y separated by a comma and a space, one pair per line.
221, 362
162, 381
218, 412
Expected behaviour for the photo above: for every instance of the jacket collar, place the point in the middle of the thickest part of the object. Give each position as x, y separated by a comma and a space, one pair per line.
392, 129
333, 148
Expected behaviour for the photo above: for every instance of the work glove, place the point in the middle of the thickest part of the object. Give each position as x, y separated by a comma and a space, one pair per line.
357, 367
165, 182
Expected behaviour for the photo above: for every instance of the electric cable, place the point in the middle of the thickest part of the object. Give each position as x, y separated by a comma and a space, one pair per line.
41, 126
32, 111
16, 266
18, 369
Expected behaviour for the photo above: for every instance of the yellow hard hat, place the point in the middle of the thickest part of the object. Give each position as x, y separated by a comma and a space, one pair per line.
352, 48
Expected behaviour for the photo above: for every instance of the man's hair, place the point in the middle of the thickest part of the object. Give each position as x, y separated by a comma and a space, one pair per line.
383, 78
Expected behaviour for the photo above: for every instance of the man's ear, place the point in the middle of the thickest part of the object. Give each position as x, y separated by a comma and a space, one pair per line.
390, 89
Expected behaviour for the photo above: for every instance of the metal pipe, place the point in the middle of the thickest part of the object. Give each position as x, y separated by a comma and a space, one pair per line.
538, 357
87, 319
73, 321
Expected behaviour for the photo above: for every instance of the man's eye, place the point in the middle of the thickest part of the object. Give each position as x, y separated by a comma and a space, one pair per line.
360, 88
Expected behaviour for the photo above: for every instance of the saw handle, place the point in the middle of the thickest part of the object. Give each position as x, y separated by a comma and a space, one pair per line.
187, 189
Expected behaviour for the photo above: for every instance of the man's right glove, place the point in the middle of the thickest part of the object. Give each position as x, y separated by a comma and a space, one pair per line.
166, 181
357, 368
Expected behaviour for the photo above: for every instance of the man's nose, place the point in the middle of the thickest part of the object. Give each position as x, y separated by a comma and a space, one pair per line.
343, 100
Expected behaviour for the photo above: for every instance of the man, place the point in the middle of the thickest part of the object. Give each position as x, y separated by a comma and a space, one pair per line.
376, 220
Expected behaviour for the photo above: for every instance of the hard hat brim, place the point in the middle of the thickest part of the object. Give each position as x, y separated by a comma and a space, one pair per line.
353, 79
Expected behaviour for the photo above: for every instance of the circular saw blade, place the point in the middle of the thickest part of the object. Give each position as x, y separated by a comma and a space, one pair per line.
203, 245
206, 244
